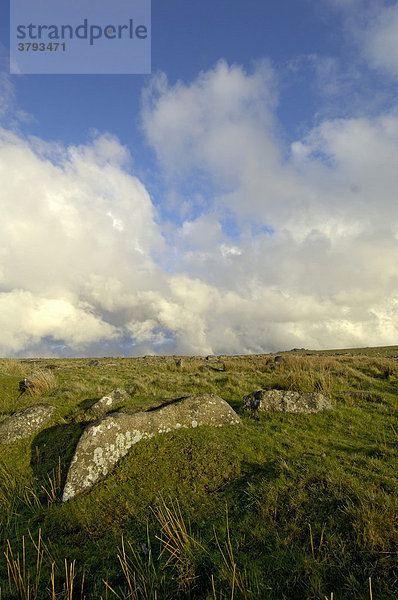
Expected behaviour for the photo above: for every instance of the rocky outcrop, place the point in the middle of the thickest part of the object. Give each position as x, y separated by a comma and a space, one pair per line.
108, 402
106, 441
286, 401
25, 423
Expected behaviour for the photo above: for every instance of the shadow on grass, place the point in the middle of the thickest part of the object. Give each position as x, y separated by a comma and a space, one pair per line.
52, 445
87, 403
81, 412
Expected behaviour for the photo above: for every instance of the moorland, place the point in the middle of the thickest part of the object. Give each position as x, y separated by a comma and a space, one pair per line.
282, 506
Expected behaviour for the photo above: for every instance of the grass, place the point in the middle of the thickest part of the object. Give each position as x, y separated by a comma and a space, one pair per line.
39, 383
281, 507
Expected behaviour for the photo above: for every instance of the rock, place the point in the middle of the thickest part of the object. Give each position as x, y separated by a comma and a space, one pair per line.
93, 363
25, 423
286, 401
106, 441
108, 402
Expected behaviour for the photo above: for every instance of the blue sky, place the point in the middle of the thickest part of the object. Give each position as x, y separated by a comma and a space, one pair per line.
186, 38
242, 198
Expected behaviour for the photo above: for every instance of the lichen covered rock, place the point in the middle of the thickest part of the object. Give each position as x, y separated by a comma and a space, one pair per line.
25, 423
106, 441
109, 402
286, 401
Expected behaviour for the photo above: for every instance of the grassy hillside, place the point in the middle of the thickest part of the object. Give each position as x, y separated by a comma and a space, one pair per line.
281, 507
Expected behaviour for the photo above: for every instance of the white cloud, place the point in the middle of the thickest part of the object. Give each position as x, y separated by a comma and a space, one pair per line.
381, 40
69, 217
289, 248
25, 319
332, 206
201, 125
373, 26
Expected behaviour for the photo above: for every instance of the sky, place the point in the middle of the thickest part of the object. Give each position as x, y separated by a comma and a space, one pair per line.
242, 198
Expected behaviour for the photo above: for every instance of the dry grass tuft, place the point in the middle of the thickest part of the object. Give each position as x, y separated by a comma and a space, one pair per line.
12, 366
178, 542
20, 579
39, 383
142, 581
305, 375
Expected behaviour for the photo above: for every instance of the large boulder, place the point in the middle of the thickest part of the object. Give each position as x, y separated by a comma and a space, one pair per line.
106, 441
25, 423
109, 402
286, 401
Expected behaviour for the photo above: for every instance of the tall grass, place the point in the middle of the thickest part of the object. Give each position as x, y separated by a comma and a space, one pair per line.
144, 576
23, 583
40, 383
12, 366
177, 542
179, 550
238, 581
303, 375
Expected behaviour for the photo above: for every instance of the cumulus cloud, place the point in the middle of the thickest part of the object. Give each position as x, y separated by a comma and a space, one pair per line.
26, 318
76, 234
288, 246
315, 260
202, 122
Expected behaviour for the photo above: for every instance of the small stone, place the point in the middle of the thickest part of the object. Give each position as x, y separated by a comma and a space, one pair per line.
108, 402
94, 363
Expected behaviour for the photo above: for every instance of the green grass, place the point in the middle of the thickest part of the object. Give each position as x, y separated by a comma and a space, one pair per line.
281, 507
